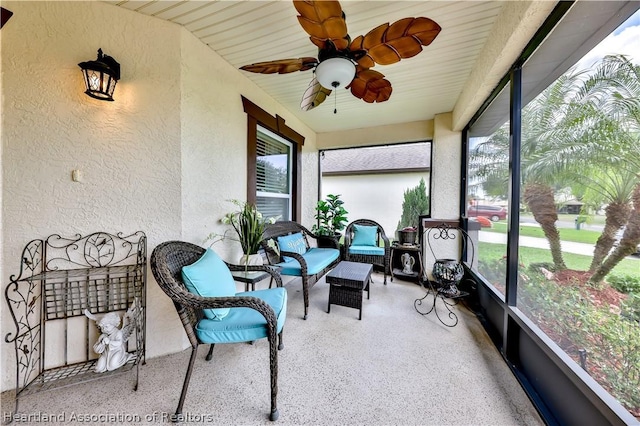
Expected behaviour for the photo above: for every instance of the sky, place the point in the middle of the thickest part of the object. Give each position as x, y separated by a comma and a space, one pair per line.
624, 40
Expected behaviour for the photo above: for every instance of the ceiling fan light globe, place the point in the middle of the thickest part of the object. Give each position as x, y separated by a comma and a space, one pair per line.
333, 73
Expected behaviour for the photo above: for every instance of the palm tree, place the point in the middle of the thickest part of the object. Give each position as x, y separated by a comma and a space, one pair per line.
604, 122
490, 161
583, 130
628, 243
587, 157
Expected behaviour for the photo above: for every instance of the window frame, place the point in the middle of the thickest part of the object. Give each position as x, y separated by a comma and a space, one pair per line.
275, 124
289, 194
546, 373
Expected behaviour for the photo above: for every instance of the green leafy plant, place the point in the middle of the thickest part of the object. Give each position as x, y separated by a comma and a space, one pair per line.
416, 203
625, 283
610, 337
248, 224
331, 216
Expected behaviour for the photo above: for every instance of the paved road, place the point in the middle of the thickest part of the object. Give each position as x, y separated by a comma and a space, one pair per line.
567, 246
530, 221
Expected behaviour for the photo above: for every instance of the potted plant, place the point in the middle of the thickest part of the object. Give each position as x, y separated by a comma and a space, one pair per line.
415, 203
248, 224
332, 219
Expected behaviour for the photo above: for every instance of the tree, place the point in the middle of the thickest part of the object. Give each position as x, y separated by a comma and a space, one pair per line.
599, 147
628, 242
490, 159
582, 132
613, 91
416, 203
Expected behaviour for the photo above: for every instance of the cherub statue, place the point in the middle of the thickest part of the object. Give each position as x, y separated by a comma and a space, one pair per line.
112, 343
407, 263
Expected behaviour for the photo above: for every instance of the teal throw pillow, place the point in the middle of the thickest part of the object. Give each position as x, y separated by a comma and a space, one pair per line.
365, 235
209, 276
294, 243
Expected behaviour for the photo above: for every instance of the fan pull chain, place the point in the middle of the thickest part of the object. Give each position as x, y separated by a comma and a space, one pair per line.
335, 89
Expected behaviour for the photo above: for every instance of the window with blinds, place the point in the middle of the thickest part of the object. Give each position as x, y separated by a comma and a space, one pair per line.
273, 175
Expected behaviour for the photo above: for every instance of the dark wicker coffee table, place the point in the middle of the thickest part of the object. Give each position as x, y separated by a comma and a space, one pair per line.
347, 281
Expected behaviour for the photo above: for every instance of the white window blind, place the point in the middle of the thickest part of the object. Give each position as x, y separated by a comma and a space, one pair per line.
273, 175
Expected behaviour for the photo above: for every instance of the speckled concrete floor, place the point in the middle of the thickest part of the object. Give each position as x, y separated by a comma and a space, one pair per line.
395, 367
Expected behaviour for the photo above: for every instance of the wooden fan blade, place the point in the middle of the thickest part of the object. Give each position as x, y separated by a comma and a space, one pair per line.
356, 46
282, 66
388, 44
370, 86
323, 20
314, 95
5, 14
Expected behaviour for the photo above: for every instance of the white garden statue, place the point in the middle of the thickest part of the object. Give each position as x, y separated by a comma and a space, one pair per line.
407, 263
112, 343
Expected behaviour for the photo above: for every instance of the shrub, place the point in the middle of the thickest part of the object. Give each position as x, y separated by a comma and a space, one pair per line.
416, 203
494, 270
535, 266
625, 283
611, 339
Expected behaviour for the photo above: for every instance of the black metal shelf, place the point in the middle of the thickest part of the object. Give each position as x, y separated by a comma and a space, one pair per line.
79, 273
59, 279
415, 251
399, 274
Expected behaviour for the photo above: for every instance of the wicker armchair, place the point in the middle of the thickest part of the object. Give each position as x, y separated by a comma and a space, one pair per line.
363, 255
167, 261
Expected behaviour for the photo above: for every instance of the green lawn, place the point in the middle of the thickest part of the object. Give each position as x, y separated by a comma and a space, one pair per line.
578, 262
566, 234
591, 220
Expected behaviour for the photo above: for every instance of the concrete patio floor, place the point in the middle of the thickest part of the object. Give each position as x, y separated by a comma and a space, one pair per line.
394, 367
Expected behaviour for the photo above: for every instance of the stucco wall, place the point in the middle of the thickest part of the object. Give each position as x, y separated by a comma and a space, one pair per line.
446, 181
127, 151
162, 158
214, 143
376, 197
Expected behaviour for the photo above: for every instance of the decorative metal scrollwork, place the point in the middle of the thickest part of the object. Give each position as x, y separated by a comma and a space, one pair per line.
58, 278
447, 275
92, 251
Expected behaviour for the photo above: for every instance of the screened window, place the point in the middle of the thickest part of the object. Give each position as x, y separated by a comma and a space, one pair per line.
570, 141
364, 175
273, 175
487, 191
273, 164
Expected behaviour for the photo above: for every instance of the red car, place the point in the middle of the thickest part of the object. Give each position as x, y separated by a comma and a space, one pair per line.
495, 213
483, 221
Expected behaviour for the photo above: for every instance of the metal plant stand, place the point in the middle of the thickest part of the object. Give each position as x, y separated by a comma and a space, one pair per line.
59, 279
447, 275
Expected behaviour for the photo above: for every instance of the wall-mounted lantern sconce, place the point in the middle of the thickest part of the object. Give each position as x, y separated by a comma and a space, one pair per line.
101, 76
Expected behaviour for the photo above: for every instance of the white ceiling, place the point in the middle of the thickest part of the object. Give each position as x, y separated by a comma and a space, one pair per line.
245, 32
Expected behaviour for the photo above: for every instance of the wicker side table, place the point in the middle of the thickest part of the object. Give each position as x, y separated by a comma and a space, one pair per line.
347, 281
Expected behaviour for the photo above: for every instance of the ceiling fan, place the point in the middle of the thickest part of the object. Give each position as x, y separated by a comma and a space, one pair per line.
343, 62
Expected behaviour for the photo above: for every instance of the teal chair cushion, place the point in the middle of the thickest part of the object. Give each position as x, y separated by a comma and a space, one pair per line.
317, 259
364, 235
209, 276
245, 324
294, 243
366, 250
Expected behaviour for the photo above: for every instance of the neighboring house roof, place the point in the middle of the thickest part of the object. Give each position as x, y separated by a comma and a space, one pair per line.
380, 159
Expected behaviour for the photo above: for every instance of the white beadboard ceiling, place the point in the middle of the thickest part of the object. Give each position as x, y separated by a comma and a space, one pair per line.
245, 32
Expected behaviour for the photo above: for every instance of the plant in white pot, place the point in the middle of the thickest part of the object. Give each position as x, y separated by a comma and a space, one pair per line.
248, 224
